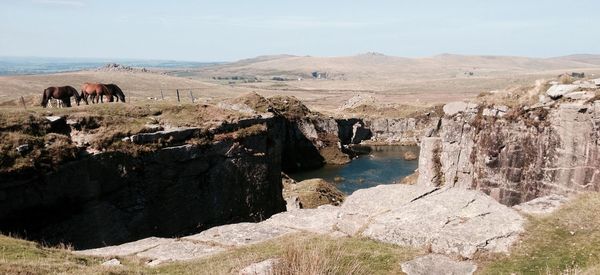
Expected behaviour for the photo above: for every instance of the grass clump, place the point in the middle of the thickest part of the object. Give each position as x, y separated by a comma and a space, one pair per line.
566, 79
565, 242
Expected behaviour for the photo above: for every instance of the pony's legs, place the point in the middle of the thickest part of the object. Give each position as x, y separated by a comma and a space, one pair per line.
67, 102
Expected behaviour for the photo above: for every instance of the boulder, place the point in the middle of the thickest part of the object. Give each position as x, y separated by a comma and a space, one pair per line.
112, 262
543, 205
261, 268
557, 91
410, 155
581, 95
313, 193
438, 264
358, 100
450, 221
456, 107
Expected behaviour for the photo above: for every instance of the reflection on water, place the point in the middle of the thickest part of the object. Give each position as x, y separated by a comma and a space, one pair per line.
383, 165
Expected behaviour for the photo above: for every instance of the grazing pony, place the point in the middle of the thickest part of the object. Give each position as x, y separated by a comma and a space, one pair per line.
116, 91
97, 91
63, 94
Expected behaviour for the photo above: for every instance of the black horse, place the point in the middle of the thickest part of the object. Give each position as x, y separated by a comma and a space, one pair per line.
116, 91
63, 94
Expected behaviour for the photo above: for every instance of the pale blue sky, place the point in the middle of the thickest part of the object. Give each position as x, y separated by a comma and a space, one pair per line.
231, 30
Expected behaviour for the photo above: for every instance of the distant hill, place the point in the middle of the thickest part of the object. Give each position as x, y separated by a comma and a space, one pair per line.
376, 65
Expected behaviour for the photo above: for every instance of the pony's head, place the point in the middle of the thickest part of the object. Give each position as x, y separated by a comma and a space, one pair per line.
77, 99
83, 97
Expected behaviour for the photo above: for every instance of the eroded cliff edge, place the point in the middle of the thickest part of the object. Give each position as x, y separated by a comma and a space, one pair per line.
113, 174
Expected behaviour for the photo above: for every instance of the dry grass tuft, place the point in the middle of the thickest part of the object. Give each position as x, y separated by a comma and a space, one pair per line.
565, 79
310, 259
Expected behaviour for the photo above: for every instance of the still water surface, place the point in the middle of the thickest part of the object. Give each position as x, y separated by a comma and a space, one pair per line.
383, 165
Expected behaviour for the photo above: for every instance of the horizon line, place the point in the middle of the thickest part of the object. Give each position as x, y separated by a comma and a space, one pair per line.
108, 59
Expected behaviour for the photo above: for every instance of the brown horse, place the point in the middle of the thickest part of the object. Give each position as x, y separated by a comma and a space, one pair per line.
63, 93
97, 91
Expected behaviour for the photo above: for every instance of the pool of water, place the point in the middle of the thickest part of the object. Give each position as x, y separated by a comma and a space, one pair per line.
382, 165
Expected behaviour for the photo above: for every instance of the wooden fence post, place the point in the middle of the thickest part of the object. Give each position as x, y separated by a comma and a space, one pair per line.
192, 96
162, 95
23, 102
178, 100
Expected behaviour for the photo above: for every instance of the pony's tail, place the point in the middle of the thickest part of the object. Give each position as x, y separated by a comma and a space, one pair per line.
44, 102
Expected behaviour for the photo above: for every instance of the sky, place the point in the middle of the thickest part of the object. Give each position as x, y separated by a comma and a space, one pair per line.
231, 30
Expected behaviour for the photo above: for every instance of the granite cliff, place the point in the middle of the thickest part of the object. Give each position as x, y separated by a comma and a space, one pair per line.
517, 153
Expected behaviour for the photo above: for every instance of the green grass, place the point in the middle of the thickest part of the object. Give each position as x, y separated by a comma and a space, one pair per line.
23, 257
567, 241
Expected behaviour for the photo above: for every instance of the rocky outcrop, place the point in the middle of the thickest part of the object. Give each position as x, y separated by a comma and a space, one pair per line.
310, 139
517, 154
446, 221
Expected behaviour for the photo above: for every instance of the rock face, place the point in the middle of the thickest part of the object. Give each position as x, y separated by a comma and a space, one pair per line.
517, 156
114, 197
309, 139
310, 143
447, 221
402, 131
